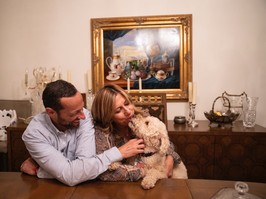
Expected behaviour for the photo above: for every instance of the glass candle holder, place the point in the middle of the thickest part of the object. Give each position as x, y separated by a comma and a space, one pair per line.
90, 98
191, 119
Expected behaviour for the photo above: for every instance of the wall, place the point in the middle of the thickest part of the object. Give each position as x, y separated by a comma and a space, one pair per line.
229, 43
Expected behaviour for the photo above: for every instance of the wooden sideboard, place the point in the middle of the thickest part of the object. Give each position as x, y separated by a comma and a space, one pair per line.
236, 153
16, 148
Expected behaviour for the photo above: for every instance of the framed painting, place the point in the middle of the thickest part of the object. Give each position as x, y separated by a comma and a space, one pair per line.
143, 54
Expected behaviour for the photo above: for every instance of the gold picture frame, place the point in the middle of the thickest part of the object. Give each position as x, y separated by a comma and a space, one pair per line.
157, 49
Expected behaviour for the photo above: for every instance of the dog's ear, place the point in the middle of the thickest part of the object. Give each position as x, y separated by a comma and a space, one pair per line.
165, 143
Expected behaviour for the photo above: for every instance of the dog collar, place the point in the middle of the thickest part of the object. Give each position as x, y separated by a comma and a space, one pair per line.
147, 154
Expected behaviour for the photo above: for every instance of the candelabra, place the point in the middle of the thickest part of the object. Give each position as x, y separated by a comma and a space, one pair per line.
42, 77
191, 119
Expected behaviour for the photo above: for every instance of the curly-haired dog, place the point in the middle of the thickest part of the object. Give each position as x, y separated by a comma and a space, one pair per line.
155, 136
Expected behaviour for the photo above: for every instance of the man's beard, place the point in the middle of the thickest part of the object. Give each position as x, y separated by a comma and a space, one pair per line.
70, 125
62, 124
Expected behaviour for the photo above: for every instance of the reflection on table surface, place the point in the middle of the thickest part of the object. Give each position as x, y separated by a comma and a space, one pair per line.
18, 185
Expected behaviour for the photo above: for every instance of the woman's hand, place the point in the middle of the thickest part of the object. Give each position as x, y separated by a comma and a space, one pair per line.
29, 166
143, 172
141, 166
132, 148
169, 165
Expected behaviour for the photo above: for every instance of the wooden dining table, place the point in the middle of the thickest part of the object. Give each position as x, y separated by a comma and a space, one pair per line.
15, 185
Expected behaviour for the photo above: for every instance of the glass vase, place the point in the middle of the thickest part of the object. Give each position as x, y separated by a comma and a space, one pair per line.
249, 111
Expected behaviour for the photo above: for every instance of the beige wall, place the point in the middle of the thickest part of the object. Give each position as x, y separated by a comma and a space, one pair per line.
229, 43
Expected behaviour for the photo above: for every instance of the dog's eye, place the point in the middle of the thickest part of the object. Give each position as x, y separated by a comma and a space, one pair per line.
147, 123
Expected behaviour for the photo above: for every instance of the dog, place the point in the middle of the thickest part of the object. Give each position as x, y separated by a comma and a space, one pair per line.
154, 133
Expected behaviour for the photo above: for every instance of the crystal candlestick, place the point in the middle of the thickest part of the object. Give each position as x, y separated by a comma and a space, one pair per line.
90, 98
189, 121
192, 121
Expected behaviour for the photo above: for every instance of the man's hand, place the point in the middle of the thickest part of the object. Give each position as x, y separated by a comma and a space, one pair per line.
29, 166
132, 148
169, 165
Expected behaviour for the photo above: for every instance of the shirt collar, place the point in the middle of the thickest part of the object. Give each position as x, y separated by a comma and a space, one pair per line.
51, 125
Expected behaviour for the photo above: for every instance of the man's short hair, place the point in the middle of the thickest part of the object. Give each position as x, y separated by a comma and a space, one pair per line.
56, 90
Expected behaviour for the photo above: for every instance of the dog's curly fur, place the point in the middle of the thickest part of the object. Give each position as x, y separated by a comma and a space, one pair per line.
155, 136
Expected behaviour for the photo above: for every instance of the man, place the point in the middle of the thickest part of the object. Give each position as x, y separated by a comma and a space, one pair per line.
61, 139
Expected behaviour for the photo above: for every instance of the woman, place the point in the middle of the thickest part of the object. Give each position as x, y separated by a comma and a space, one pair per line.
112, 110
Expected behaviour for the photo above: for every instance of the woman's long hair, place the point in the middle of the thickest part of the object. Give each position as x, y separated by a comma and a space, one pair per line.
103, 106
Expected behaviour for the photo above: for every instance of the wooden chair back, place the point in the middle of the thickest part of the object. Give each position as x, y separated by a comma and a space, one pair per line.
154, 103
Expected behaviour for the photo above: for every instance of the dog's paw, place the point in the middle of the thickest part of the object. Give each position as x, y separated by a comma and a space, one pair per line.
147, 184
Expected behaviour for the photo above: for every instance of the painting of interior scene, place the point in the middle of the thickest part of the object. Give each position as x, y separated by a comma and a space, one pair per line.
149, 55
